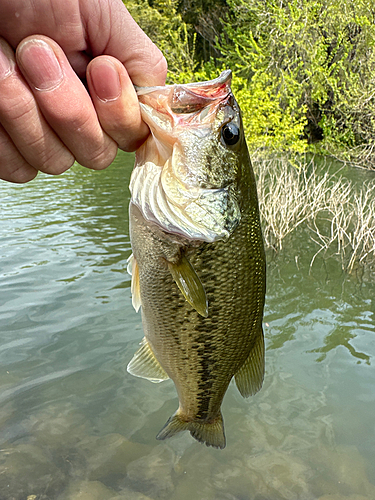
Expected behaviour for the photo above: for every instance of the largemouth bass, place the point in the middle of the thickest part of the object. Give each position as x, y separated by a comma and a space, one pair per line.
198, 264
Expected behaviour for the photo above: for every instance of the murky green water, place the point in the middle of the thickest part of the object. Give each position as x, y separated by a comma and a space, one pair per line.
75, 425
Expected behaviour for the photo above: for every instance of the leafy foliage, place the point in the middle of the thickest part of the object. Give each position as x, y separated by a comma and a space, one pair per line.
304, 72
320, 58
164, 25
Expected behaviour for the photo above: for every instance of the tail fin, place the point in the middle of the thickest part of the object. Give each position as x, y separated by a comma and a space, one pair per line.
210, 433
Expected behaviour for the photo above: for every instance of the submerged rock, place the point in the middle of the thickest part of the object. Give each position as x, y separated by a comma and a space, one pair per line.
340, 497
58, 426
152, 474
25, 470
87, 490
108, 456
131, 495
343, 472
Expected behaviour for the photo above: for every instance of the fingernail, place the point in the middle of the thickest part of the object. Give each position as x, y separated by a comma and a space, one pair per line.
6, 64
105, 80
40, 64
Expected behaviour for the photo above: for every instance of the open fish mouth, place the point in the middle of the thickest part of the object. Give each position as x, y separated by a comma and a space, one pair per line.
171, 187
184, 94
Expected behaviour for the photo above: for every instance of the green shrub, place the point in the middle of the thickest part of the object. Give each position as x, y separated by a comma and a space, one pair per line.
304, 71
164, 25
320, 61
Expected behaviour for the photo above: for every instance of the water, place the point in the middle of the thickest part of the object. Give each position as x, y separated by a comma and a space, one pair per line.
75, 425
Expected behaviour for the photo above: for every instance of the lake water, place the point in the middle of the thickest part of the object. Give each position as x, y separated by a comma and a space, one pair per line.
74, 425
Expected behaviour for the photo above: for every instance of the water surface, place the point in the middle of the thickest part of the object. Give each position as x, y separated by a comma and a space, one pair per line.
75, 425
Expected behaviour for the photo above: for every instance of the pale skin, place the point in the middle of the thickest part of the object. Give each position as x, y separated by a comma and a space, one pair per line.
48, 118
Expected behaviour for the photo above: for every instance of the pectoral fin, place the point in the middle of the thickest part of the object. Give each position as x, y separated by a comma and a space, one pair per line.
249, 378
190, 285
145, 365
133, 270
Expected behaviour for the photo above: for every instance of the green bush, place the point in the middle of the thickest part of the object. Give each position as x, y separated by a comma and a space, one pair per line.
164, 25
320, 61
304, 72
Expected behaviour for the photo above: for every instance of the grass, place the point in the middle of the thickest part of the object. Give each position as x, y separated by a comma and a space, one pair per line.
339, 214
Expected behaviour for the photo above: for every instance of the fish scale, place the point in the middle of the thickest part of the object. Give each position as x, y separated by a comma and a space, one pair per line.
201, 302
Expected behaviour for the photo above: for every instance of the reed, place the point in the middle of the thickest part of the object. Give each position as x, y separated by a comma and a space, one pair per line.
339, 214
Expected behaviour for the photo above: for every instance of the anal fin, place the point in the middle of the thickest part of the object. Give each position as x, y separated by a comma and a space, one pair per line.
249, 378
145, 365
190, 285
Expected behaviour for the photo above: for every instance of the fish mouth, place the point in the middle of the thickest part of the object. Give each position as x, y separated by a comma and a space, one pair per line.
212, 88
165, 107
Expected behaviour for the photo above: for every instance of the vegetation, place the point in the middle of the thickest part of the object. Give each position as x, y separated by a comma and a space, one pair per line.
304, 72
339, 215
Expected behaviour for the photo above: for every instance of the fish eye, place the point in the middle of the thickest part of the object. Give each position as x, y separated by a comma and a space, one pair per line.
230, 134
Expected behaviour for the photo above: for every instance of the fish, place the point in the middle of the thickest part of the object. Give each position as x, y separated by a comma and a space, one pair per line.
198, 264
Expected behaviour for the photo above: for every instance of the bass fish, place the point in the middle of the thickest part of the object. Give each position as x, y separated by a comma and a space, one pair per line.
198, 264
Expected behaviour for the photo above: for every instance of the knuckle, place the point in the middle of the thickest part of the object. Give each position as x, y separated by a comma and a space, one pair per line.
161, 67
20, 174
131, 142
56, 162
131, 133
42, 149
72, 116
13, 167
124, 125
19, 108
101, 157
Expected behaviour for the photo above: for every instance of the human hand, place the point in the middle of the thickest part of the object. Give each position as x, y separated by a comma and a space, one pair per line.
47, 117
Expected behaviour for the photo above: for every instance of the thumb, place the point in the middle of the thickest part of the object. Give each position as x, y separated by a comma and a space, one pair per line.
112, 31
